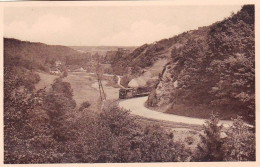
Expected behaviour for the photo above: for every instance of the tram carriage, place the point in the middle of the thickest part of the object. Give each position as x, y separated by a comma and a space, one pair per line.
125, 93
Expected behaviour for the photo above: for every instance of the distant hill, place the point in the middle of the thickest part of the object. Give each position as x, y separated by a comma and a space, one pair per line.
40, 56
101, 50
209, 69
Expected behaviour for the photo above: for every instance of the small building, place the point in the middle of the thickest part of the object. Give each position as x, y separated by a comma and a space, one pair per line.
55, 72
58, 63
81, 69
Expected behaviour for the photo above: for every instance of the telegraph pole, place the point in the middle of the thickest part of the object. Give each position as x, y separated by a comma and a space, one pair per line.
99, 74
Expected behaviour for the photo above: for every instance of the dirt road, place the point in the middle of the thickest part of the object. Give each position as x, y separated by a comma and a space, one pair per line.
136, 106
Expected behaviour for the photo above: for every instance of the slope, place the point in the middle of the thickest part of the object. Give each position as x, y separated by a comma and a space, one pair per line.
33, 55
213, 71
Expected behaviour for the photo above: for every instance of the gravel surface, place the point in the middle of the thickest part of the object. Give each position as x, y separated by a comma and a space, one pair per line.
136, 106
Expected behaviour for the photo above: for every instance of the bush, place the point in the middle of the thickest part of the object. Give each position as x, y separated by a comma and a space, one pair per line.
211, 146
84, 105
58, 104
27, 137
63, 88
189, 140
240, 142
238, 145
65, 74
115, 136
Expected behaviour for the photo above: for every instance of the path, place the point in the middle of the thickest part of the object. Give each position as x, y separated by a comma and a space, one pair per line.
136, 106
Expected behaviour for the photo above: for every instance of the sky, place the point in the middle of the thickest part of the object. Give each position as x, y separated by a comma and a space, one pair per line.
107, 25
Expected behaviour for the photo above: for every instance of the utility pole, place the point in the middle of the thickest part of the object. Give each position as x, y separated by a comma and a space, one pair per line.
99, 74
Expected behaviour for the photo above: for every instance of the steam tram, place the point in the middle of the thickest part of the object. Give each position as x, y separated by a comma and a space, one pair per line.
126, 93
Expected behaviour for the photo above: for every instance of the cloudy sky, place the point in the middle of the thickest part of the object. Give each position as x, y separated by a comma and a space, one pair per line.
107, 25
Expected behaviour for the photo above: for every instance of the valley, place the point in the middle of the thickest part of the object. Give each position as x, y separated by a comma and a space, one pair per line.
189, 97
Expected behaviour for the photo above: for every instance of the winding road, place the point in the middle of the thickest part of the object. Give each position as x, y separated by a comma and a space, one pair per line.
136, 107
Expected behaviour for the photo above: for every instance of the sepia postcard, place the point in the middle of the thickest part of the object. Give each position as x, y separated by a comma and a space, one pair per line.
129, 83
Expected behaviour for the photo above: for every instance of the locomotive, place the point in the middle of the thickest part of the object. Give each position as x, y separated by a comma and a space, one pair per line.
125, 93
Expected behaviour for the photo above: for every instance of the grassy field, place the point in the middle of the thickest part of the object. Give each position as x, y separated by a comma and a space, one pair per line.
46, 80
82, 90
85, 88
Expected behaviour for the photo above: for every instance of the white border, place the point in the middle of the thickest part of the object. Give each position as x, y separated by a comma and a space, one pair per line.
139, 3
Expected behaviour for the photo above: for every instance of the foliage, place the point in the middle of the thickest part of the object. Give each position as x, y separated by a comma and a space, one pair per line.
62, 88
240, 142
26, 124
211, 146
84, 105
43, 127
145, 56
120, 63
215, 67
234, 63
114, 136
40, 56
57, 104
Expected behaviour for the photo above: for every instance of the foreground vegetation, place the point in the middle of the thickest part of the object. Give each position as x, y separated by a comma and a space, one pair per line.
45, 127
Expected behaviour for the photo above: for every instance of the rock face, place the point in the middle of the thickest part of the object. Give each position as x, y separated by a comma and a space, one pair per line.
212, 66
170, 78
165, 86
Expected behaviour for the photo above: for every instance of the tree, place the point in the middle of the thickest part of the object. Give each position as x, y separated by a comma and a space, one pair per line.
58, 104
84, 105
240, 142
27, 136
211, 145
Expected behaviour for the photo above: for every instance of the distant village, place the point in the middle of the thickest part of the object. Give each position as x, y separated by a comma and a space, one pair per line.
103, 59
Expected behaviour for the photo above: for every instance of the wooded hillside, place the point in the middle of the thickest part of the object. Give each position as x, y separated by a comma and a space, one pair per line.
40, 56
215, 67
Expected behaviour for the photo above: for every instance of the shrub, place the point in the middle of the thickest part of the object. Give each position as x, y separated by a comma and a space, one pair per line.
62, 88
58, 104
211, 146
189, 140
27, 136
115, 136
84, 105
238, 145
240, 142
64, 74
